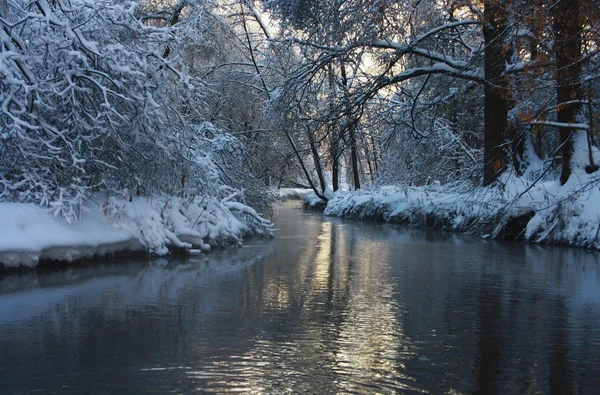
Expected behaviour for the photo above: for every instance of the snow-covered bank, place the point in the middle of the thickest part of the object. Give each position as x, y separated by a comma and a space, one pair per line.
293, 193
514, 207
30, 234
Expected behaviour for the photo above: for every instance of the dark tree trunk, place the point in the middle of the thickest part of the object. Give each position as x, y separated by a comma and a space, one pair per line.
316, 159
352, 134
334, 138
567, 48
496, 102
319, 194
354, 158
592, 167
335, 174
335, 158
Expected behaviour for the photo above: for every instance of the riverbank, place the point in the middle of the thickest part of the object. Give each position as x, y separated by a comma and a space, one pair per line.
513, 208
156, 226
284, 194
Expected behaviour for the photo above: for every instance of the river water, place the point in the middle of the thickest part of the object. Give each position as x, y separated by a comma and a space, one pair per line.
328, 306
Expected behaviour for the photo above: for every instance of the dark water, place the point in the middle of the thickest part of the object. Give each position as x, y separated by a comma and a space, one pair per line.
329, 306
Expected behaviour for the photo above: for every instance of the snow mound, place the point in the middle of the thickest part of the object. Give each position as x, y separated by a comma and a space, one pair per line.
30, 234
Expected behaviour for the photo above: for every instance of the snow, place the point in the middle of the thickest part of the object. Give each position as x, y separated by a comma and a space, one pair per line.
551, 213
293, 193
30, 234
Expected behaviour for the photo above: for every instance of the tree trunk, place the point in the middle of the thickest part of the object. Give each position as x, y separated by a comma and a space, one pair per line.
319, 194
374, 154
335, 173
354, 158
592, 167
368, 158
352, 133
334, 145
496, 103
316, 159
567, 49
334, 155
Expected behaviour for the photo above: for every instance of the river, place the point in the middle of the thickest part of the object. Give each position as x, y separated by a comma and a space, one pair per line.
328, 306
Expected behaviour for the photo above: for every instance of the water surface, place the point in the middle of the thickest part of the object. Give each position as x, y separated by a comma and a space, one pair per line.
328, 306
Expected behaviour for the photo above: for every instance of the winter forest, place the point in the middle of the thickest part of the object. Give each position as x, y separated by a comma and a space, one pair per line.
177, 121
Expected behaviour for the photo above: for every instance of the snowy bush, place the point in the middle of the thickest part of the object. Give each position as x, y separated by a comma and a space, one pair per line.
540, 211
170, 222
94, 99
84, 90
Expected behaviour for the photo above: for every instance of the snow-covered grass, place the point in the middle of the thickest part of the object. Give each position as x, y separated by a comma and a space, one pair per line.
30, 234
513, 207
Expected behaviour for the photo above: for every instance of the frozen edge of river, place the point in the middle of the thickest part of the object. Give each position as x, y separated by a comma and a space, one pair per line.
157, 226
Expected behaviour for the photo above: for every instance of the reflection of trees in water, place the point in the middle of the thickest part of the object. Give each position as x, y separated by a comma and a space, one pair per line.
372, 344
495, 318
488, 362
140, 312
525, 326
365, 304
329, 306
561, 373
338, 328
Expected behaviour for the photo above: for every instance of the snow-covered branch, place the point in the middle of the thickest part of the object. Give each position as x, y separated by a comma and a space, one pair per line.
575, 126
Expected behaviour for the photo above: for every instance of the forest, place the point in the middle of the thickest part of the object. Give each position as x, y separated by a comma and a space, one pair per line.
173, 118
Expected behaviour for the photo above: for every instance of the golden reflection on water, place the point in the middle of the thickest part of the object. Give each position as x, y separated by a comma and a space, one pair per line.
322, 262
371, 339
348, 335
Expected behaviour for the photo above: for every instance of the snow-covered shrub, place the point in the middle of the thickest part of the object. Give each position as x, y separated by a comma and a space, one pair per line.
88, 102
96, 99
201, 223
222, 170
